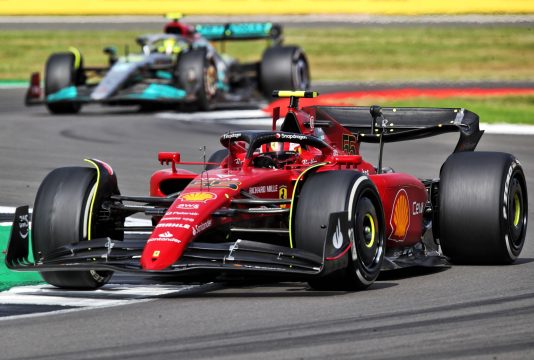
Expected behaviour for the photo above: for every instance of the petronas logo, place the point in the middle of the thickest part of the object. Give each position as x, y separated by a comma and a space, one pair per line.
337, 239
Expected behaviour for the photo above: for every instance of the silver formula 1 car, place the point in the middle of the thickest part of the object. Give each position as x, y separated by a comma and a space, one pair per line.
177, 67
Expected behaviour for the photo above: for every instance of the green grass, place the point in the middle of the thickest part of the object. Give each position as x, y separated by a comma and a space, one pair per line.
9, 278
506, 109
376, 54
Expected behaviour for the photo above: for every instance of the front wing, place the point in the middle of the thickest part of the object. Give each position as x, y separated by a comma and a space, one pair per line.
200, 259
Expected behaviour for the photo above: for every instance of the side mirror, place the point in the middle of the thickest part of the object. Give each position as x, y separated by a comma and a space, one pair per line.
111, 52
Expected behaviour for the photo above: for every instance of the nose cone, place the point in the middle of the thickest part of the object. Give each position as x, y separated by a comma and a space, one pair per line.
160, 254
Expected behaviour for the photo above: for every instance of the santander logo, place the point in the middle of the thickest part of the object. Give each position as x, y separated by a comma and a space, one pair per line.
166, 234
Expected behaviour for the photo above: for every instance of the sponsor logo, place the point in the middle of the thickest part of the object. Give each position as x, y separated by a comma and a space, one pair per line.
187, 206
282, 192
188, 213
198, 196
418, 208
232, 136
201, 227
172, 225
216, 183
290, 136
166, 234
263, 189
337, 238
23, 226
400, 216
173, 240
227, 177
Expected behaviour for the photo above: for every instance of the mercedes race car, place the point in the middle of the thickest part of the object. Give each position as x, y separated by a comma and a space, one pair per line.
293, 203
178, 67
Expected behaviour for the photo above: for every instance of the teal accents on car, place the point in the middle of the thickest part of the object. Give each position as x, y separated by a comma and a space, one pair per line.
164, 75
159, 91
235, 31
67, 93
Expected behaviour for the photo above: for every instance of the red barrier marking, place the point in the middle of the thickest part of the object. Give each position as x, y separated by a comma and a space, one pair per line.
344, 98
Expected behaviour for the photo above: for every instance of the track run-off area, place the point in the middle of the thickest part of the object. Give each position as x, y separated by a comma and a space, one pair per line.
461, 312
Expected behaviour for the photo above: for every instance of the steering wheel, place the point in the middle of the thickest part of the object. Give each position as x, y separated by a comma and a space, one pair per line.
275, 159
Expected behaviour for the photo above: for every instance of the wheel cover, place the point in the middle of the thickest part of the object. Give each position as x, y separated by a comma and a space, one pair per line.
516, 214
301, 74
210, 81
369, 230
517, 209
367, 233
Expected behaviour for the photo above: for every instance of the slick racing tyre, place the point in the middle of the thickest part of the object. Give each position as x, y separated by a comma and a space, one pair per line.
283, 68
483, 208
196, 73
61, 217
61, 73
338, 191
216, 157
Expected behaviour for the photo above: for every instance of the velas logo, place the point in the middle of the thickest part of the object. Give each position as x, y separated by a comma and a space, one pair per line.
198, 196
400, 216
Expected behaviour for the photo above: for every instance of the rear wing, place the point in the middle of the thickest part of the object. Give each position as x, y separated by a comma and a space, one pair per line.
403, 123
241, 31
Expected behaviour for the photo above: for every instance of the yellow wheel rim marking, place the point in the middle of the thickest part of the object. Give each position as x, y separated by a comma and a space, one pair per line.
372, 222
517, 209
89, 223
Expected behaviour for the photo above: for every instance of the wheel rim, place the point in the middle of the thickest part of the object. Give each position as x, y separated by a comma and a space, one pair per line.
367, 239
369, 230
210, 81
301, 74
516, 214
517, 209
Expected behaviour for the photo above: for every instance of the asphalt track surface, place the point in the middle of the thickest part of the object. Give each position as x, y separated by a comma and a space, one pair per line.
468, 312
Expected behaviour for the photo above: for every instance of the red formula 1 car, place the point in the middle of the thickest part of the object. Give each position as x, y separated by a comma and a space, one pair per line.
297, 202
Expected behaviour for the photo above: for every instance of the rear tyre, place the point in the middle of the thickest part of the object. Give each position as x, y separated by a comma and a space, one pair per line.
336, 191
61, 217
197, 74
60, 74
217, 157
483, 208
284, 68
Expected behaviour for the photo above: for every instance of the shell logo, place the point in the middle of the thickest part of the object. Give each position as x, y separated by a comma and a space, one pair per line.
400, 216
198, 196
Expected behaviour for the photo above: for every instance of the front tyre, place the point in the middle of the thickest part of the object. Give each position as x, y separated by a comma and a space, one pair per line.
61, 73
61, 216
338, 191
483, 208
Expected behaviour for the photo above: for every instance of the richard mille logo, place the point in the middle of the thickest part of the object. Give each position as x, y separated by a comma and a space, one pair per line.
337, 239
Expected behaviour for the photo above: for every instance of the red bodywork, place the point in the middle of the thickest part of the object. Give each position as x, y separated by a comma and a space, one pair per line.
201, 195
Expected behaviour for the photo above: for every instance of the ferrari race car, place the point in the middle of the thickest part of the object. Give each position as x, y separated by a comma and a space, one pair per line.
294, 203
178, 67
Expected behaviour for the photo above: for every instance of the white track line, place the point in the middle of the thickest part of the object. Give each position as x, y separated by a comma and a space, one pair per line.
109, 295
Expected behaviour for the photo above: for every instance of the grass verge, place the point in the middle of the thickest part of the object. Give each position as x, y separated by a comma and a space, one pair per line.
377, 54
